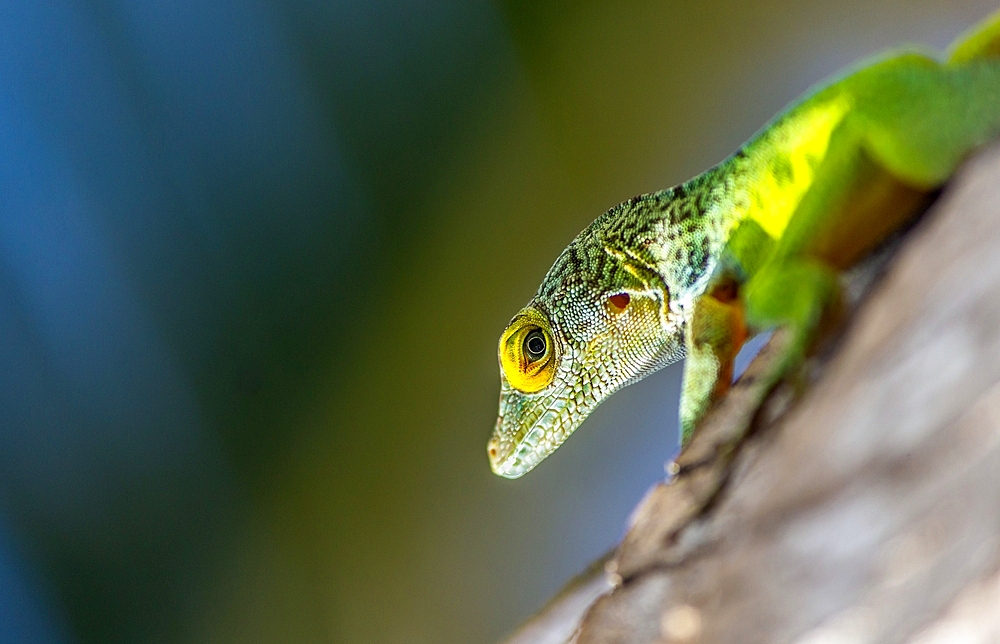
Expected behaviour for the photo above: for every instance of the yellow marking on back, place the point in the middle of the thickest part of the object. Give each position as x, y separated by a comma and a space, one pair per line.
791, 152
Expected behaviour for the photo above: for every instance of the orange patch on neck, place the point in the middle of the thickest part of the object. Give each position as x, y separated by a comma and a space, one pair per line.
619, 302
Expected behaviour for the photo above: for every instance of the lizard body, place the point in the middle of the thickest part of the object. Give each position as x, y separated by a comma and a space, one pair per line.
752, 243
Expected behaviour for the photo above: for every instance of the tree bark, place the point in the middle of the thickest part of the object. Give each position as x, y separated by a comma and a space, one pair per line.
866, 509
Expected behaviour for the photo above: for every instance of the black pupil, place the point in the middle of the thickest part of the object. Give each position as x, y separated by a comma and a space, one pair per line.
534, 345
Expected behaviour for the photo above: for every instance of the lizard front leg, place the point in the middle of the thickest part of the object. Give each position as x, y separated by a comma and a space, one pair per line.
851, 206
792, 289
713, 336
795, 294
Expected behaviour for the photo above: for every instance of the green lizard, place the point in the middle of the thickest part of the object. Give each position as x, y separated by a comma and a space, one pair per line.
754, 243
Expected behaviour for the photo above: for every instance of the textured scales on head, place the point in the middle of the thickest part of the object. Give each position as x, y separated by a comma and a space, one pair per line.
660, 250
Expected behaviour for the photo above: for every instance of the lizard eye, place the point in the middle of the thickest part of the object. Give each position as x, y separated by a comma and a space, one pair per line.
535, 345
527, 355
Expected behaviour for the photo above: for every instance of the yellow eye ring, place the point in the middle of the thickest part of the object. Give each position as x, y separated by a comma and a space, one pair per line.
527, 353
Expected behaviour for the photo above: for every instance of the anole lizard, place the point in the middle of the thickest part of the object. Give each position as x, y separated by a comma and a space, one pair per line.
753, 243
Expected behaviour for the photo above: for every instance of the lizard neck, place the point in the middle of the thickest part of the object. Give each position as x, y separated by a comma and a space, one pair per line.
686, 229
672, 239
731, 214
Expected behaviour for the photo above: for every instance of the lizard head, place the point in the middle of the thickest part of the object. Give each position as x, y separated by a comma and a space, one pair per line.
602, 319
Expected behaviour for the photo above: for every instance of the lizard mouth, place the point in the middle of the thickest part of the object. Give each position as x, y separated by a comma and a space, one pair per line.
528, 429
518, 459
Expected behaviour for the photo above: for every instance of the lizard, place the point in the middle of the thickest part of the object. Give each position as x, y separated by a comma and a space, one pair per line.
754, 243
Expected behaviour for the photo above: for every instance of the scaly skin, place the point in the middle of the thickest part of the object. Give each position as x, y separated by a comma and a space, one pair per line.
753, 243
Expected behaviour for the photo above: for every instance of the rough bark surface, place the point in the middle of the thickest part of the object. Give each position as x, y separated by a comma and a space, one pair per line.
868, 510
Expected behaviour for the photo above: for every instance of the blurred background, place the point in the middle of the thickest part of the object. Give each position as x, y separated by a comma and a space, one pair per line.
255, 256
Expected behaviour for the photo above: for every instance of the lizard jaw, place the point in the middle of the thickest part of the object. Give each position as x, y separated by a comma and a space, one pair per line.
520, 460
513, 456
